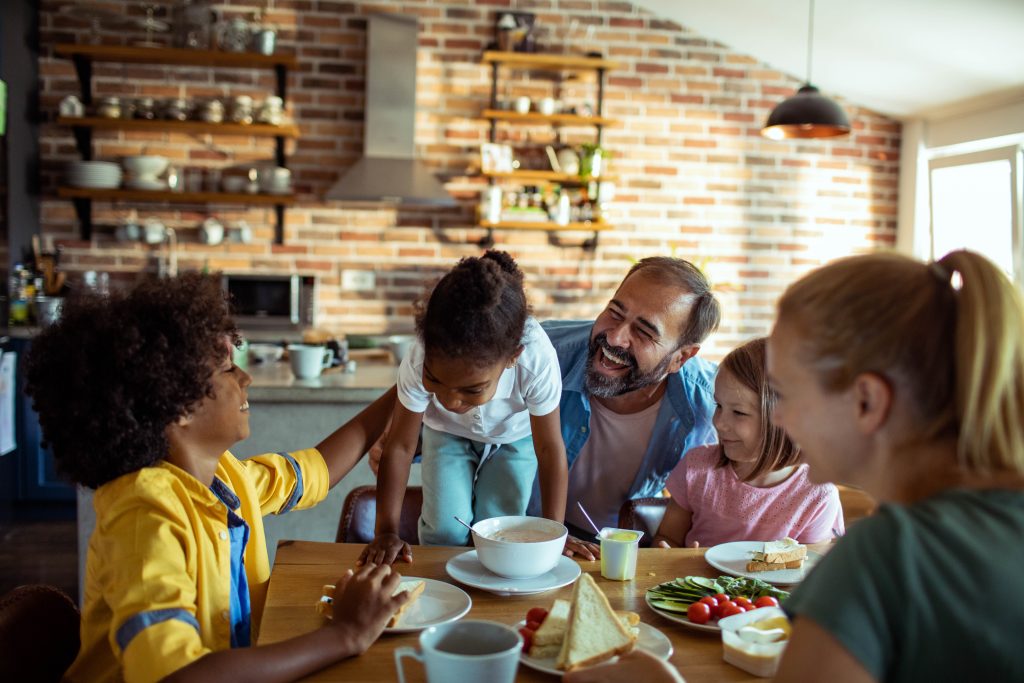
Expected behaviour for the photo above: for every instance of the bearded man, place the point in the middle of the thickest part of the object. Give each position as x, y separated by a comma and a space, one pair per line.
635, 399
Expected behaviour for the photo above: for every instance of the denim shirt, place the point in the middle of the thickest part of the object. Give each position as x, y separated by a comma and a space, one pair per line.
683, 422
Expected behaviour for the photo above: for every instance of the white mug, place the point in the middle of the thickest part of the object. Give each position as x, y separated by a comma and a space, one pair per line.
547, 106
466, 651
309, 361
523, 104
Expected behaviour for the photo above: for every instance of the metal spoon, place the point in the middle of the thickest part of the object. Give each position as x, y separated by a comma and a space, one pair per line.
462, 523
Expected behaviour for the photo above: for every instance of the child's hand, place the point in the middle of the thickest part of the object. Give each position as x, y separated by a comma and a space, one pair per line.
363, 604
584, 549
385, 549
375, 452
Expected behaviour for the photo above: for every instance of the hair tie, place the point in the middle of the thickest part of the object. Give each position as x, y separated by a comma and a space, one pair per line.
950, 277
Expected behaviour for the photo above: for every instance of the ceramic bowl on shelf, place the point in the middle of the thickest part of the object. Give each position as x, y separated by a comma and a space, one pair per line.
145, 165
266, 353
94, 174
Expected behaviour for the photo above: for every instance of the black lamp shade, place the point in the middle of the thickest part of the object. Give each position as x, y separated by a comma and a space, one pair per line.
808, 114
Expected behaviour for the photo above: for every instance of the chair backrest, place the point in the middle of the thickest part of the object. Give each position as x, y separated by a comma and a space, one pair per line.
39, 633
359, 514
643, 514
856, 504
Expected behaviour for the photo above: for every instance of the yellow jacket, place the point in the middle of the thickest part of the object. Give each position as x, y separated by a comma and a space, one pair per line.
158, 573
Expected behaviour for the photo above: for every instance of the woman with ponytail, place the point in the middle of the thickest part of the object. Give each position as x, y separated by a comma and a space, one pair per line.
907, 379
483, 381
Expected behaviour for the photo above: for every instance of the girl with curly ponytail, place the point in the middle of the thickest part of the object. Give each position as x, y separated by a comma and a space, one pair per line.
483, 381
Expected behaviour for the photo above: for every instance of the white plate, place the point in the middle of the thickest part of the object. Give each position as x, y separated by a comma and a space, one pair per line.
466, 568
439, 603
680, 617
145, 184
732, 558
650, 639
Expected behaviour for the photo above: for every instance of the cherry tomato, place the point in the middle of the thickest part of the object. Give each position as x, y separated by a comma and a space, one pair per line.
527, 635
743, 602
710, 602
533, 625
537, 614
729, 609
721, 597
766, 601
698, 613
721, 606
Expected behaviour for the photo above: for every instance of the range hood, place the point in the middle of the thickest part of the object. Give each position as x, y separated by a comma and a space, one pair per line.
388, 170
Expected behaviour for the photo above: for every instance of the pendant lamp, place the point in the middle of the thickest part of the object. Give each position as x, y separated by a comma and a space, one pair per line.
808, 114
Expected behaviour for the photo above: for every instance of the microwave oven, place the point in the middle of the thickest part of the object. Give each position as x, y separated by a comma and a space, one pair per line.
272, 302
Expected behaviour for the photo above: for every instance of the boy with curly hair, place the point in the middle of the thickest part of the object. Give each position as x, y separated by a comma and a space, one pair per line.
139, 398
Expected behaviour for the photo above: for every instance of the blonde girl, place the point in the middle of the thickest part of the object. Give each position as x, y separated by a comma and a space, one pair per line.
750, 485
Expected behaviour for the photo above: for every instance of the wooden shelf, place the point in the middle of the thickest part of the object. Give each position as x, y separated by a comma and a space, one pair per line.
175, 197
545, 176
546, 226
552, 120
547, 61
170, 55
288, 130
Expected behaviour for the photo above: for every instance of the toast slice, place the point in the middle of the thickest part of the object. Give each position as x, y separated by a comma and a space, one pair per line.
757, 566
415, 587
595, 633
547, 641
781, 551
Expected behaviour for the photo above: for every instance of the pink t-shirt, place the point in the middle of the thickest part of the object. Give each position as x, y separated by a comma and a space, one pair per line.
727, 509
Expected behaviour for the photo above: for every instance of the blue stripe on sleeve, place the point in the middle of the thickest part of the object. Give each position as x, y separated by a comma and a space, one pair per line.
143, 620
297, 493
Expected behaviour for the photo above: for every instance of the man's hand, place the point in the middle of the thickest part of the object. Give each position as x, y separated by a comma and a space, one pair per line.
385, 549
585, 550
363, 604
638, 665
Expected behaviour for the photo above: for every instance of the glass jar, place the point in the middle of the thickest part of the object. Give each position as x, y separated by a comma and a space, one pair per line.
211, 111
241, 109
145, 108
109, 108
176, 109
271, 111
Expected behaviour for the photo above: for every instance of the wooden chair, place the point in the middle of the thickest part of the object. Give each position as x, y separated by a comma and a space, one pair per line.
360, 512
643, 514
39, 634
856, 504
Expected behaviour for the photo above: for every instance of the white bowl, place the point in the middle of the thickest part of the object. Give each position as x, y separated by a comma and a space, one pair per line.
147, 166
399, 344
515, 559
266, 353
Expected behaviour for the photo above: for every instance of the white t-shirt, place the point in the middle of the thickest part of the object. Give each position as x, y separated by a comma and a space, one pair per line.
532, 387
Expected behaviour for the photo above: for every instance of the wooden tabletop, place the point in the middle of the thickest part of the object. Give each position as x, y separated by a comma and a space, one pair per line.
301, 569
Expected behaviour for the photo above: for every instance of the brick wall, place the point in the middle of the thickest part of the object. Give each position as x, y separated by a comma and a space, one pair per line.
695, 178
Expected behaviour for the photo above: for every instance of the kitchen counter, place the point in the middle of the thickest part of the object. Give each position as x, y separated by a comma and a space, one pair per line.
274, 382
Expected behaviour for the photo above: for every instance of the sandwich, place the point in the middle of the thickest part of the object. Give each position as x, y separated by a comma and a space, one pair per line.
414, 587
783, 554
594, 632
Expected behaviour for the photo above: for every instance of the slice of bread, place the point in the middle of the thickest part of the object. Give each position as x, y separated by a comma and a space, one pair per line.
783, 550
757, 566
552, 629
325, 605
595, 632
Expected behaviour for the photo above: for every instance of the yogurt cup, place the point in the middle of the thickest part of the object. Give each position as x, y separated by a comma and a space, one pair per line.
618, 553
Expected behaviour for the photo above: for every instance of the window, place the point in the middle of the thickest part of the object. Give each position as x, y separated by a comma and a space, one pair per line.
976, 204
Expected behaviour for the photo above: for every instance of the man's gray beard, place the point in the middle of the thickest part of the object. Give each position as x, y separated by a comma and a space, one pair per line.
610, 387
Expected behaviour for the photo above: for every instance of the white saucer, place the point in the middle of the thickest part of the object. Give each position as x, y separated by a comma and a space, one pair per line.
649, 639
732, 558
439, 603
466, 568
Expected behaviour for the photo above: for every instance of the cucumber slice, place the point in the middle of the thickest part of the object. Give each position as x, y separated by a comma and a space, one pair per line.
702, 583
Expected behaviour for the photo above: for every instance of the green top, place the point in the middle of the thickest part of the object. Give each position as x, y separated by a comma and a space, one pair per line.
932, 591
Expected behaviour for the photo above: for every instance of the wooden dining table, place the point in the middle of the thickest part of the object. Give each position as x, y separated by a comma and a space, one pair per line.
301, 568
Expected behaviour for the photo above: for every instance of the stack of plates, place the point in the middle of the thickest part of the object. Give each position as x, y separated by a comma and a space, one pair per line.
97, 175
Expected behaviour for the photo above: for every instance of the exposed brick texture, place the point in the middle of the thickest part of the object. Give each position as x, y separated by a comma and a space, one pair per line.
695, 177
